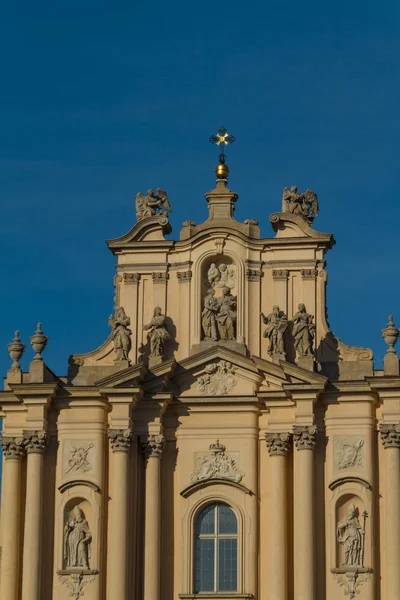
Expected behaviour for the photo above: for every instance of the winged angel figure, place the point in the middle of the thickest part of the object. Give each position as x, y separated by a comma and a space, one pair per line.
152, 204
305, 205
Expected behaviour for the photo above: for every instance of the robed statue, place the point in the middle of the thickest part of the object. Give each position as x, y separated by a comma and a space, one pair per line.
303, 331
121, 333
226, 315
157, 333
304, 205
77, 540
351, 535
276, 323
151, 204
209, 316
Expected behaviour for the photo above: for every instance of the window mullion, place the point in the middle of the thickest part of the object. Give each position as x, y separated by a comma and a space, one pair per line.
216, 549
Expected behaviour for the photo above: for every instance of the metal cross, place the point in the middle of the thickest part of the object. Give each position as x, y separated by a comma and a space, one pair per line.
222, 138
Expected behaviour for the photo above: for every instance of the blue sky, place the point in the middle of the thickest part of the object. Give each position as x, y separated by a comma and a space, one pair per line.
102, 100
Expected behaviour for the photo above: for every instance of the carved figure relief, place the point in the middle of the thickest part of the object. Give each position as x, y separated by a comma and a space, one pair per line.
121, 333
216, 465
218, 380
222, 276
276, 323
218, 318
303, 331
77, 540
76, 582
152, 204
79, 459
304, 205
349, 453
351, 535
157, 333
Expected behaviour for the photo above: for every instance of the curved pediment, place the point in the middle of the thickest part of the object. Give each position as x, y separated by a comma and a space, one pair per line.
199, 485
149, 229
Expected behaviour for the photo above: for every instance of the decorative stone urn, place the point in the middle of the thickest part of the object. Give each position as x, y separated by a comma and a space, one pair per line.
16, 350
390, 334
39, 342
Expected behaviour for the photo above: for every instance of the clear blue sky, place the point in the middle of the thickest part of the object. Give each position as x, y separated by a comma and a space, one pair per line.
102, 100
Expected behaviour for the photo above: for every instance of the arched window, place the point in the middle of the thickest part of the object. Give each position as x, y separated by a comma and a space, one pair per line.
216, 550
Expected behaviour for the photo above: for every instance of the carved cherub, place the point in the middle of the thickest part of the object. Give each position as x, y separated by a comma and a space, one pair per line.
151, 204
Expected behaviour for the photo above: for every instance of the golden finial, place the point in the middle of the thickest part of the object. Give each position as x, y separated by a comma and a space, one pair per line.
222, 138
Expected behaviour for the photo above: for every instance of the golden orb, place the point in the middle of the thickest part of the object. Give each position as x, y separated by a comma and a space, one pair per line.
222, 171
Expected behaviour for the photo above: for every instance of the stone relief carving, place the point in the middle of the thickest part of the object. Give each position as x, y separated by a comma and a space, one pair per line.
157, 333
76, 582
276, 323
304, 205
79, 459
160, 277
153, 446
349, 452
120, 439
121, 333
217, 465
254, 274
184, 276
13, 447
305, 437
303, 331
218, 380
152, 204
280, 274
218, 318
351, 581
222, 276
278, 444
35, 441
77, 540
308, 273
132, 278
390, 436
351, 536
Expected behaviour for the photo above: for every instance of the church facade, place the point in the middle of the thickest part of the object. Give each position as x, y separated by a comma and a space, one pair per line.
222, 443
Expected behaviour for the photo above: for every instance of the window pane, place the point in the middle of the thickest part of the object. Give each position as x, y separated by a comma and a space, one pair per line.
227, 520
205, 523
205, 556
227, 565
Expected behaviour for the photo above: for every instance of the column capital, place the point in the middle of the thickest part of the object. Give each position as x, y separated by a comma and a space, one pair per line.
120, 439
305, 436
35, 441
390, 435
153, 446
278, 444
13, 447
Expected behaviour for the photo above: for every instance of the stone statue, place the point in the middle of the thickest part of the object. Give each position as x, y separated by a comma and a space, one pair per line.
151, 204
77, 539
121, 333
222, 276
157, 333
351, 535
303, 331
226, 316
208, 316
276, 323
305, 205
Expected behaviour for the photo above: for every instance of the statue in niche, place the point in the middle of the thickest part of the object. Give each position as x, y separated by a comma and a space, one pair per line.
121, 333
276, 323
152, 204
226, 316
351, 536
208, 316
303, 331
304, 205
77, 540
222, 276
157, 333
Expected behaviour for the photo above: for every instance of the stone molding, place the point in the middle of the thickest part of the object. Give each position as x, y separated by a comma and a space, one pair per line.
308, 273
305, 437
153, 446
390, 436
278, 444
280, 274
35, 441
120, 439
254, 274
160, 277
13, 447
132, 278
184, 276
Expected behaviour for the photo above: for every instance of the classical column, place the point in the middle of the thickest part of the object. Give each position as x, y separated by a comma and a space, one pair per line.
121, 440
35, 444
13, 449
152, 449
278, 448
304, 586
390, 435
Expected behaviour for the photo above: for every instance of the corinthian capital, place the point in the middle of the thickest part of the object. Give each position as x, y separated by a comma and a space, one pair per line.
153, 446
35, 441
305, 437
120, 439
390, 435
278, 444
13, 447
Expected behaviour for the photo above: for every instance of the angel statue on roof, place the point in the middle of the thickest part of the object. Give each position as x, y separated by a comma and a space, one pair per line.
152, 204
304, 205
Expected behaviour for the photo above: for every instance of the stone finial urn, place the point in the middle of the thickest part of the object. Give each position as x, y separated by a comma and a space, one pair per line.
16, 350
390, 334
39, 342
